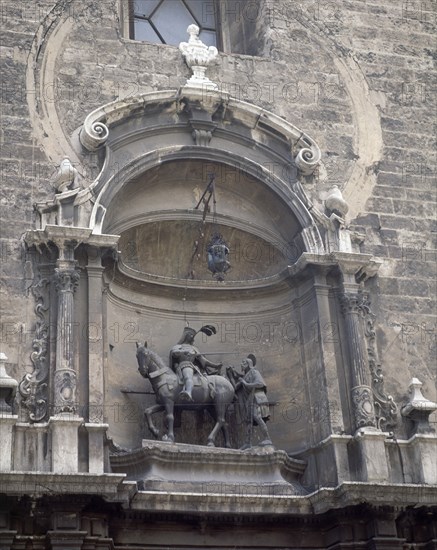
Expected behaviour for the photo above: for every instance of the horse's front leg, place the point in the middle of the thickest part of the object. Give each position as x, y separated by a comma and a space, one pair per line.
148, 414
169, 409
220, 410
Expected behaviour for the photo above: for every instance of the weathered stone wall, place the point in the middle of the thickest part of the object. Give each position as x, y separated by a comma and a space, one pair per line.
357, 76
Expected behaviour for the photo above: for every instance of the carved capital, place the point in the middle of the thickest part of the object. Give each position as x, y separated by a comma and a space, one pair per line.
350, 303
364, 410
67, 280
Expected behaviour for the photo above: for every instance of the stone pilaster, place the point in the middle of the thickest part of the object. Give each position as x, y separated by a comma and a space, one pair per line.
95, 334
7, 425
96, 435
361, 391
64, 428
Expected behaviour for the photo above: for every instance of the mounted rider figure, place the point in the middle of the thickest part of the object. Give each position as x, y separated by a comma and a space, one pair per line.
185, 360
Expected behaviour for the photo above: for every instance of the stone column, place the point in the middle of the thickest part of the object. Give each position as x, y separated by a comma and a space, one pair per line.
67, 279
361, 391
65, 423
370, 439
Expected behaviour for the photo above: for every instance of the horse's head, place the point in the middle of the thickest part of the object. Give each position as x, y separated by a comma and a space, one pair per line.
142, 356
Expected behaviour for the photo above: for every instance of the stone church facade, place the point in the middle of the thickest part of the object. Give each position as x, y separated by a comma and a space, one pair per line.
299, 139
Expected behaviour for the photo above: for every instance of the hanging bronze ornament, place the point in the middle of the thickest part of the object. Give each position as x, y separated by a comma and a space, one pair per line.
217, 249
218, 253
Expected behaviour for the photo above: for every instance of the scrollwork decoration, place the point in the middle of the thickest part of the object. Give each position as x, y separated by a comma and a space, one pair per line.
33, 386
386, 409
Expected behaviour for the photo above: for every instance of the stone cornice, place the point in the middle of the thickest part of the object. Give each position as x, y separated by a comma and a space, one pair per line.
349, 263
112, 488
66, 234
303, 149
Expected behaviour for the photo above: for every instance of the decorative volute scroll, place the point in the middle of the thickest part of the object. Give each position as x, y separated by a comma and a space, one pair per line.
198, 56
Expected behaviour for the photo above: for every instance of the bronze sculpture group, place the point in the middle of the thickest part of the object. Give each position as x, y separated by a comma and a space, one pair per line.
192, 381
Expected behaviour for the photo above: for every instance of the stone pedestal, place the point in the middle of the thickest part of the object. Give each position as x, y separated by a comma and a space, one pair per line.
328, 462
6, 538
96, 434
64, 429
373, 459
7, 423
203, 470
424, 456
66, 540
8, 388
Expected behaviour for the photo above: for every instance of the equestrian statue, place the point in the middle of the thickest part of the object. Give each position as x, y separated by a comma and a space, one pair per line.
188, 383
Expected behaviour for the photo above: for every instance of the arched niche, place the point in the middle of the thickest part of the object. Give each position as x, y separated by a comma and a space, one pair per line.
156, 286
157, 151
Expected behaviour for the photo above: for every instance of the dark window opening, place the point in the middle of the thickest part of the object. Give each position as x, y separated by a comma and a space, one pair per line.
166, 21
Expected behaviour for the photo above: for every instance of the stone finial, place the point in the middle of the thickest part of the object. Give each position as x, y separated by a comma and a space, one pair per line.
8, 387
198, 56
66, 176
418, 408
335, 202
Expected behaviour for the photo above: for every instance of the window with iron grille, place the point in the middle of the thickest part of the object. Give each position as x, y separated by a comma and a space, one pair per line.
166, 21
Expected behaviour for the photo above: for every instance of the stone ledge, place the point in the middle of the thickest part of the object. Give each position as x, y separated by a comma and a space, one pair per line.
46, 483
319, 502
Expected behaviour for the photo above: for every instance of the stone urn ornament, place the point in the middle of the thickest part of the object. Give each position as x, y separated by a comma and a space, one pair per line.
335, 202
8, 387
198, 57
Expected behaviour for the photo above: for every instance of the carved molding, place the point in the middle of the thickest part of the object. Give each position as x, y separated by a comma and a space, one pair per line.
303, 151
364, 411
33, 388
65, 391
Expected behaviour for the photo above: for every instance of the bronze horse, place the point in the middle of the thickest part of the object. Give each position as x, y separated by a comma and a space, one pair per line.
167, 387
